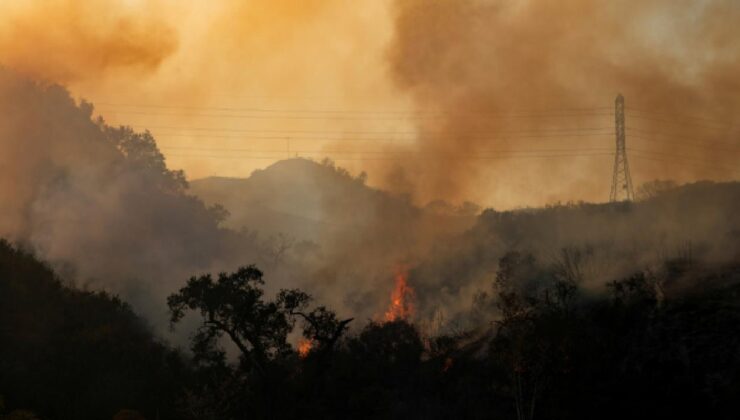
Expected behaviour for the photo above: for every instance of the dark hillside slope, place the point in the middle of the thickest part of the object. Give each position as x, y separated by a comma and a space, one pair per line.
100, 201
71, 354
700, 221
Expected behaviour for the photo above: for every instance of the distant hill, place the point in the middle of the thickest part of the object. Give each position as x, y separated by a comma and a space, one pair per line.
308, 200
452, 253
698, 222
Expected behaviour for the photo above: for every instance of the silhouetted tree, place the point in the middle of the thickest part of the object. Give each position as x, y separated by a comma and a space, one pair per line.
654, 188
233, 306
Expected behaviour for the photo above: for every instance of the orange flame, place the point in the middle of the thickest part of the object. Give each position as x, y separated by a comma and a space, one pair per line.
447, 365
304, 347
401, 306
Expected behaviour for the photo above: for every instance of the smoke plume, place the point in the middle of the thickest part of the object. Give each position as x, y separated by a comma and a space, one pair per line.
99, 203
500, 102
67, 40
494, 76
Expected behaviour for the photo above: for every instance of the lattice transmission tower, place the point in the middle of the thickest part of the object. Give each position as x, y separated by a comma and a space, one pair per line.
621, 180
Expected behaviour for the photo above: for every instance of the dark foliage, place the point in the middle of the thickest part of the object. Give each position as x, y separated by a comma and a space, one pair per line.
553, 351
71, 354
233, 307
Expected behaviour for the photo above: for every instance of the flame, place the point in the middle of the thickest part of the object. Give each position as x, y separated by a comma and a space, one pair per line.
401, 306
304, 347
448, 364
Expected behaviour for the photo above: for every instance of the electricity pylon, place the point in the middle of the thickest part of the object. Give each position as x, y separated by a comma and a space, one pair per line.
621, 180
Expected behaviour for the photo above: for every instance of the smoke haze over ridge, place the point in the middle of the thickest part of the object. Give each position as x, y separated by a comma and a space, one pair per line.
458, 82
473, 99
478, 61
369, 208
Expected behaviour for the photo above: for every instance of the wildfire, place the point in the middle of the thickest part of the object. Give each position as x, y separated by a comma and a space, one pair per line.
304, 347
401, 306
448, 364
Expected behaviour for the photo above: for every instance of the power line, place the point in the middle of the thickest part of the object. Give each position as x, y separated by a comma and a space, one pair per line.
239, 130
674, 122
683, 117
532, 112
353, 118
555, 152
287, 137
680, 161
386, 139
377, 151
697, 165
680, 157
578, 116
397, 158
684, 144
690, 138
371, 132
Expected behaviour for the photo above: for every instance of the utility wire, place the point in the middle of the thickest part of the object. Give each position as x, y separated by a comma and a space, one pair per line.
533, 112
703, 165
371, 132
680, 157
259, 113
353, 118
690, 138
736, 149
683, 117
430, 157
387, 139
677, 123
208, 149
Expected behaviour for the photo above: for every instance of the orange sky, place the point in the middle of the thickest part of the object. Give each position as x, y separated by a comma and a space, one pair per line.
230, 86
308, 58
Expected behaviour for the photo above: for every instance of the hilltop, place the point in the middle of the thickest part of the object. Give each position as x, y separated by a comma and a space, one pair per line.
311, 200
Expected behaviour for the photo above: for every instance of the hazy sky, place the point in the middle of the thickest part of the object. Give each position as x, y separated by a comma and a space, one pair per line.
395, 87
253, 57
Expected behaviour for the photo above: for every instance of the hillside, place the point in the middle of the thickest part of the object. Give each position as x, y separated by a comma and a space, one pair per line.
98, 201
314, 201
84, 355
291, 197
363, 234
68, 353
699, 221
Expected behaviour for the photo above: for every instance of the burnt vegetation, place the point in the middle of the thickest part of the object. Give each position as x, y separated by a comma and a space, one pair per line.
656, 344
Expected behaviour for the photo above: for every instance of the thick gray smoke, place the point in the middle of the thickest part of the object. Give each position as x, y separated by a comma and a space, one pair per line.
100, 205
100, 201
697, 223
496, 76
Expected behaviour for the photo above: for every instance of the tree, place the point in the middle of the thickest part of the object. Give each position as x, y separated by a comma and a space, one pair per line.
233, 306
141, 152
535, 304
390, 351
319, 325
654, 188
